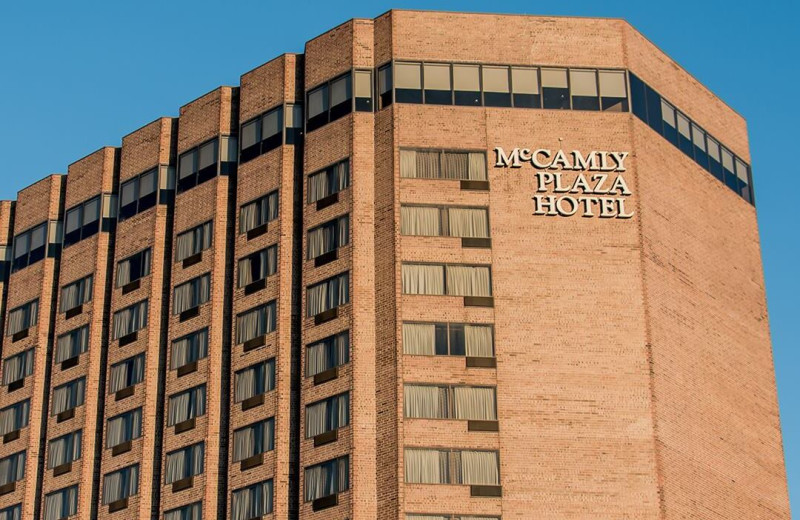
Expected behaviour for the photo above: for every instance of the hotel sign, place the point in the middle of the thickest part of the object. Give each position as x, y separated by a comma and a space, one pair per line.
573, 183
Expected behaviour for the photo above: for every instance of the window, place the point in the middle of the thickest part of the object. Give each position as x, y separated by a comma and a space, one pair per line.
444, 221
714, 158
385, 85
555, 88
17, 367
328, 237
192, 294
15, 417
84, 220
328, 478
328, 353
187, 405
743, 180
138, 194
124, 428
327, 415
332, 100
189, 348
31, 246
448, 339
61, 504
12, 468
525, 87
184, 463
12, 513
121, 484
467, 85
437, 86
252, 502
258, 266
408, 82
254, 439
69, 396
331, 180
254, 380
584, 89
192, 511
669, 126
363, 90
435, 164
65, 449
255, 322
72, 344
294, 124
685, 135
435, 466
193, 241
126, 373
262, 134
613, 91
130, 319
699, 142
259, 212
198, 165
328, 294
22, 317
412, 516
451, 280
474, 403
496, 87
133, 268
76, 294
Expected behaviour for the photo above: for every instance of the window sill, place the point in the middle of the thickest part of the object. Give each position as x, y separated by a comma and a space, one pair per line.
121, 448
188, 368
185, 426
182, 484
257, 231
75, 311
118, 505
130, 287
483, 426
125, 392
62, 469
252, 462
65, 415
252, 402
11, 436
326, 438
19, 335
481, 362
325, 376
486, 491
192, 260
128, 338
478, 301
330, 200
325, 502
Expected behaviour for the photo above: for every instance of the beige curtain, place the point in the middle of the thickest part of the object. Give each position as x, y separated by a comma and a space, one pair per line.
184, 463
480, 468
468, 222
256, 322
252, 502
191, 294
331, 414
64, 449
189, 512
421, 221
72, 344
12, 468
322, 240
474, 403
69, 396
327, 479
123, 428
121, 484
328, 294
23, 317
18, 367
60, 504
189, 348
455, 165
248, 217
427, 165
423, 279
126, 373
130, 319
254, 439
478, 340
477, 166
123, 273
425, 401
408, 163
419, 339
318, 186
13, 513
328, 353
465, 280
15, 417
186, 405
423, 466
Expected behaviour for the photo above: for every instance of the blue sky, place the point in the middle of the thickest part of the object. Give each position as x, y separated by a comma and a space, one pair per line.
79, 75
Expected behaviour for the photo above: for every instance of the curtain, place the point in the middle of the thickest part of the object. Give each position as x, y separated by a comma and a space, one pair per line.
327, 479
65, 449
463, 280
419, 338
121, 484
427, 165
189, 348
126, 373
12, 468
76, 293
318, 186
248, 217
191, 294
254, 381
408, 163
322, 240
478, 339
254, 439
193, 241
252, 502
12, 513
480, 467
468, 222
421, 221
256, 322
425, 401
187, 405
23, 317
477, 166
341, 175
327, 415
328, 353
18, 367
455, 165
328, 294
423, 279
474, 403
185, 463
426, 466
123, 428
68, 396
190, 512
130, 319
15, 417
272, 206
428, 517
123, 273
61, 504
72, 344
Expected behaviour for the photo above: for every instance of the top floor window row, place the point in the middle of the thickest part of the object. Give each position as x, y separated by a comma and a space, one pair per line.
146, 190
503, 86
690, 138
338, 97
202, 163
281, 125
36, 243
89, 217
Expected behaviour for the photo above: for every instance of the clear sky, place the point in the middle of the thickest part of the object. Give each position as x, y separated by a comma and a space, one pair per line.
75, 76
